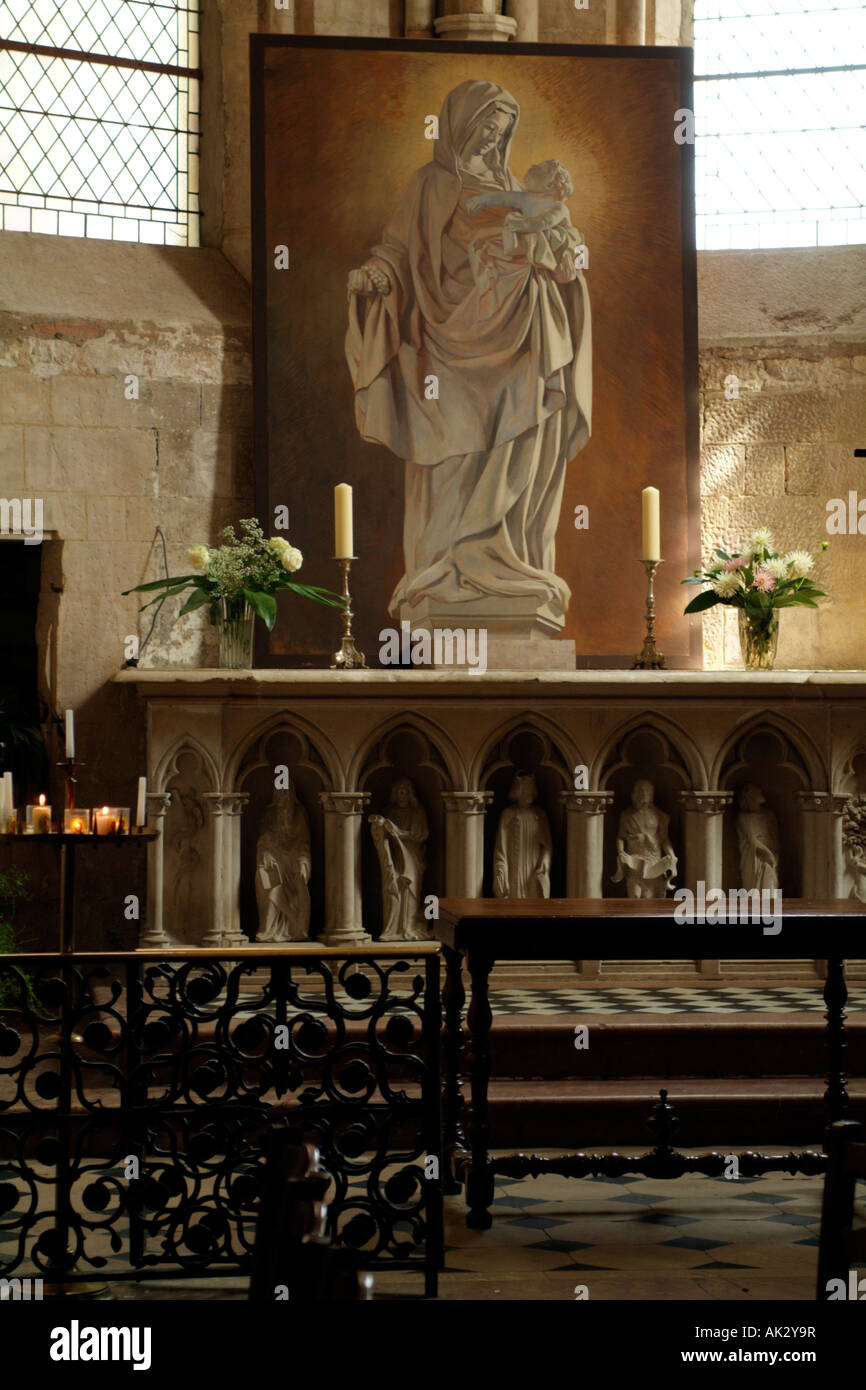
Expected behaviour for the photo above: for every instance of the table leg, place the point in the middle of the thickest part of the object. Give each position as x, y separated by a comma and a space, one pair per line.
453, 998
835, 998
479, 1183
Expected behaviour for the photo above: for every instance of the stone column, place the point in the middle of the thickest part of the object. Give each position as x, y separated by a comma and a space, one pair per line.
216, 933
823, 862
343, 820
474, 19
418, 17
703, 825
631, 22
703, 835
152, 934
234, 804
584, 853
584, 842
464, 842
525, 15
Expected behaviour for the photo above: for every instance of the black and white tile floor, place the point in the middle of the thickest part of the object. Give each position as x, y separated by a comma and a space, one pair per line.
727, 999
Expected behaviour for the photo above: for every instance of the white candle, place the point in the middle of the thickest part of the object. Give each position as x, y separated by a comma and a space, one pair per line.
7, 802
105, 822
139, 809
651, 538
343, 529
70, 734
41, 818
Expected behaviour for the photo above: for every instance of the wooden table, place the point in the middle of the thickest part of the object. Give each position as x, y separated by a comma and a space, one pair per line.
480, 931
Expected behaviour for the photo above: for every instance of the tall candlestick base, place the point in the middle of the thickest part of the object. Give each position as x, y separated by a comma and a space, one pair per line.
70, 767
348, 658
650, 658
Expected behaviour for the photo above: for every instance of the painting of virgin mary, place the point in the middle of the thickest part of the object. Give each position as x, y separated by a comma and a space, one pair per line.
504, 332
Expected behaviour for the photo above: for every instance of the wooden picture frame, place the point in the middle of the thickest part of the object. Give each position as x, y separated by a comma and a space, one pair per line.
327, 166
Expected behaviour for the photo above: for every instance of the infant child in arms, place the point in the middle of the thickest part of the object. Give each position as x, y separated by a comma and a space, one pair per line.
538, 223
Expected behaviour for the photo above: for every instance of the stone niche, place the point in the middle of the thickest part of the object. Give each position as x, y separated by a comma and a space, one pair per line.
217, 740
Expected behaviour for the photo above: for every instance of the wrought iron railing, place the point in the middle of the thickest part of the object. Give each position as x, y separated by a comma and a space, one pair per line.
135, 1091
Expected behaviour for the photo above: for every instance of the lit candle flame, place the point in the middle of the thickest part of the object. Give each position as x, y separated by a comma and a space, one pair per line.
41, 798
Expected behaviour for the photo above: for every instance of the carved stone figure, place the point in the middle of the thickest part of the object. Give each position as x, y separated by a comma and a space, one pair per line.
854, 844
644, 854
758, 837
283, 864
400, 838
188, 822
524, 848
469, 347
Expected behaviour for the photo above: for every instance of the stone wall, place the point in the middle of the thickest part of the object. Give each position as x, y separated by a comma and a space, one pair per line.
82, 316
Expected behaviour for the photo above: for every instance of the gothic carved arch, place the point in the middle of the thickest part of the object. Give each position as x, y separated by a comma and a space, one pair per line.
682, 751
804, 756
531, 744
773, 755
561, 753
646, 748
320, 752
283, 742
442, 753
188, 772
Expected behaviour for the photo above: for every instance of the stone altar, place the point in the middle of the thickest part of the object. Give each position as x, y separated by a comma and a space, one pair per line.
588, 737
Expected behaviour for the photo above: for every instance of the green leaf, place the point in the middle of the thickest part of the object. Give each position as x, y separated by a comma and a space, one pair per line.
167, 582
705, 600
265, 605
722, 554
197, 599
694, 579
318, 595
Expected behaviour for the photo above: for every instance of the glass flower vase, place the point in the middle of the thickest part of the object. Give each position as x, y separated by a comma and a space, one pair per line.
759, 638
236, 620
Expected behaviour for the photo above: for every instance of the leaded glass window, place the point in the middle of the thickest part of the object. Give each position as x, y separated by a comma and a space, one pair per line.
99, 118
780, 97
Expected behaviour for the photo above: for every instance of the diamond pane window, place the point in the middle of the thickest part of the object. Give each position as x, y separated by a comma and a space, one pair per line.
99, 118
780, 150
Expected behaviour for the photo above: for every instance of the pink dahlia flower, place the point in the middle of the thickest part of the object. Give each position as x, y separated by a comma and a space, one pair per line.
737, 563
764, 581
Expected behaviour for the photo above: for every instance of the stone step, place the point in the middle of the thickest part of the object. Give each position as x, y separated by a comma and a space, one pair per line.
586, 1114
669, 1045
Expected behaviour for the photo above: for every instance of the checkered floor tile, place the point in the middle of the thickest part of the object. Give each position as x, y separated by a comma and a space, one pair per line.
726, 1000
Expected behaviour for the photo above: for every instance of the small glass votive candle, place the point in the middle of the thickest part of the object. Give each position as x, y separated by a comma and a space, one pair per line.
38, 819
76, 822
10, 824
111, 820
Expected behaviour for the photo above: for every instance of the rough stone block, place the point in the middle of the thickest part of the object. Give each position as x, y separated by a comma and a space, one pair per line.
765, 470
106, 518
722, 470
226, 407
785, 417
110, 462
825, 470
66, 513
23, 397
12, 473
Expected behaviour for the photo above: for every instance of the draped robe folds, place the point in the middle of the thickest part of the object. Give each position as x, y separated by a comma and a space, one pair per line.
644, 865
510, 349
283, 863
401, 858
757, 829
521, 859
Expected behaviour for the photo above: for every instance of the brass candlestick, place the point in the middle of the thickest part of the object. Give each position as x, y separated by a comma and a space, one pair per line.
650, 658
348, 657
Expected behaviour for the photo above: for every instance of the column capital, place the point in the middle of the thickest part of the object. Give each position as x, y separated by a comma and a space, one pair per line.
467, 803
498, 27
588, 803
226, 803
833, 803
707, 802
344, 803
158, 803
